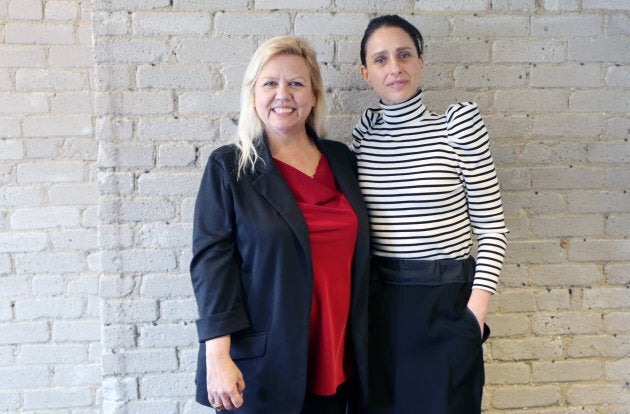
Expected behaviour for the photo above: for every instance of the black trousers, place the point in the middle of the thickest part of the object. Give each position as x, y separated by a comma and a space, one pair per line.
329, 404
425, 344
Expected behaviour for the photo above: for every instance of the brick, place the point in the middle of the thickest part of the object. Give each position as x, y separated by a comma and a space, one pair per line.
617, 273
565, 275
514, 179
500, 126
48, 308
617, 24
42, 34
507, 373
483, 77
606, 298
167, 336
261, 24
118, 336
126, 156
166, 285
6, 83
560, 5
566, 76
47, 172
129, 311
568, 126
221, 50
140, 362
568, 178
516, 301
175, 77
76, 331
48, 285
210, 4
573, 323
21, 57
597, 394
41, 218
617, 322
115, 286
448, 51
504, 325
598, 202
24, 377
130, 4
176, 310
26, 9
526, 349
586, 50
11, 150
22, 242
296, 4
28, 263
58, 126
85, 284
170, 24
619, 128
134, 50
73, 194
536, 252
110, 23
554, 300
165, 184
24, 332
179, 385
133, 103
10, 401
75, 239
216, 103
19, 103
176, 155
526, 397
157, 406
57, 398
606, 346
513, 5
531, 101
490, 27
43, 148
77, 376
61, 10
166, 235
618, 77
605, 4
171, 129
72, 103
599, 250
121, 183
566, 371
138, 209
10, 128
339, 24
536, 203
612, 101
115, 129
609, 153
6, 313
70, 57
526, 51
587, 25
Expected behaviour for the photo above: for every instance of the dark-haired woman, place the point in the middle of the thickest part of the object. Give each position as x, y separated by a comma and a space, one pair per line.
429, 183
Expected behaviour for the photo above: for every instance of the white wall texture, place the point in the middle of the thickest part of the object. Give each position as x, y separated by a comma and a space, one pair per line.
109, 109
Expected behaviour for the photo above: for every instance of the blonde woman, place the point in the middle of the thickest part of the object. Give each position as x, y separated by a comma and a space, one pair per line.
280, 252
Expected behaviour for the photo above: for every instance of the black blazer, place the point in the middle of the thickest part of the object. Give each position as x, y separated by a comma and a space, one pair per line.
252, 277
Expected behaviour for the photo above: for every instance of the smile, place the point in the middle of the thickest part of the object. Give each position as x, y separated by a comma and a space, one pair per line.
283, 110
398, 84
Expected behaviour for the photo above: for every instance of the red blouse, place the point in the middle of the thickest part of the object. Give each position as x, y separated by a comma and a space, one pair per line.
333, 228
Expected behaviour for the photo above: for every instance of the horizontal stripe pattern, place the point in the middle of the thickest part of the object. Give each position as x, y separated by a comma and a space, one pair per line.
429, 183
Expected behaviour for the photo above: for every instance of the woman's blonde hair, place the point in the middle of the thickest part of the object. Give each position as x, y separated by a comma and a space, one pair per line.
250, 126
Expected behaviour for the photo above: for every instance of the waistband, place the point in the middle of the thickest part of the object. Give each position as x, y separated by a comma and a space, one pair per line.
409, 272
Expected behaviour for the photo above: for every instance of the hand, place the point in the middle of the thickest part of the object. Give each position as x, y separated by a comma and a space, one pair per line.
478, 304
225, 383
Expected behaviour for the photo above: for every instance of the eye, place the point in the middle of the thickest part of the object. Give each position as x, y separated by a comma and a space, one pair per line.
379, 60
269, 83
296, 83
405, 55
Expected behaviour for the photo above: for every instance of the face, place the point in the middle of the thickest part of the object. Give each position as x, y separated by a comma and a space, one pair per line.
392, 65
284, 96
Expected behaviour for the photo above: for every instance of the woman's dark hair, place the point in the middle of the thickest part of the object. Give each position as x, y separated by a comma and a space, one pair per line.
391, 20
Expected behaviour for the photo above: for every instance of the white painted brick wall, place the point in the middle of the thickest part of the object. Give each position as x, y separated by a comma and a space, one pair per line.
110, 108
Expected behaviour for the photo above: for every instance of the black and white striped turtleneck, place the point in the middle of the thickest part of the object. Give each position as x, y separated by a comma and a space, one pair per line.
429, 180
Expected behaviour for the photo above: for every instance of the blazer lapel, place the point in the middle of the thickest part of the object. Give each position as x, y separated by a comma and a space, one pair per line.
269, 182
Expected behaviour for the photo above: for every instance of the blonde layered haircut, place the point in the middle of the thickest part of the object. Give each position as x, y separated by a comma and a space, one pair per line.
250, 127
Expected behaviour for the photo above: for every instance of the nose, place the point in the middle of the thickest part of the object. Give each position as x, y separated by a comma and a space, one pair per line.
394, 67
282, 91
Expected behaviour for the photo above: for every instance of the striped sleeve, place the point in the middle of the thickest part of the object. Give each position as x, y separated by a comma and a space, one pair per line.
361, 129
468, 136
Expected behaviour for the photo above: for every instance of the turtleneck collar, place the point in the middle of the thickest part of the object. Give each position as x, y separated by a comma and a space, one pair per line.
412, 108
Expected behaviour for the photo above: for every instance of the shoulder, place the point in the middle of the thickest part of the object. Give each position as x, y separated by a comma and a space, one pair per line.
224, 160
335, 147
461, 112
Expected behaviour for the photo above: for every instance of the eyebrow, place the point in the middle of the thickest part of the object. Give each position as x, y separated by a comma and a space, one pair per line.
383, 52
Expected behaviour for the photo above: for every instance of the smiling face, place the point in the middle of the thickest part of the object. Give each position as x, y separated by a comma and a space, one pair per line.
284, 96
392, 65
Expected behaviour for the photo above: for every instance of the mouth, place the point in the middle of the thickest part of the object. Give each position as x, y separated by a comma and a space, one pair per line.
397, 84
283, 110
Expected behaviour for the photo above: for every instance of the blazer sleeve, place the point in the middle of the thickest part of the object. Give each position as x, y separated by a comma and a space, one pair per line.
215, 265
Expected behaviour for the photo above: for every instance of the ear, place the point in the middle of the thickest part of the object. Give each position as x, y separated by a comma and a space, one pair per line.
365, 75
